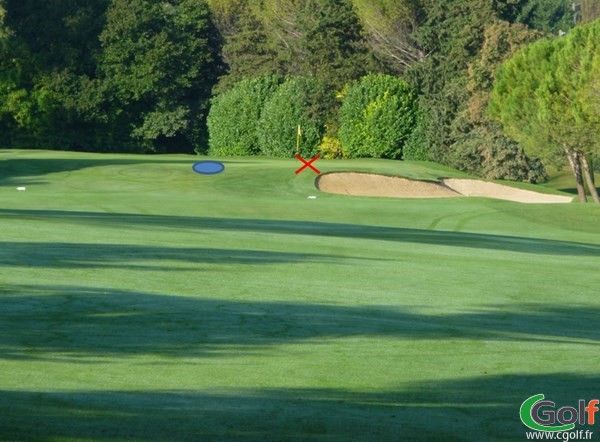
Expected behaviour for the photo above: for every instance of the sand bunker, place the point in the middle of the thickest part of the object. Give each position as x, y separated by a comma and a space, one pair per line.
499, 191
365, 184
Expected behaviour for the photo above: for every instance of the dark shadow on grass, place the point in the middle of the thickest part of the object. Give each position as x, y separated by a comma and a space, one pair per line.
573, 190
12, 171
137, 257
418, 236
472, 409
75, 323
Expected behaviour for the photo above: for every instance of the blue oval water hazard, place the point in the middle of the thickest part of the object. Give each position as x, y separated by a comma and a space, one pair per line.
208, 167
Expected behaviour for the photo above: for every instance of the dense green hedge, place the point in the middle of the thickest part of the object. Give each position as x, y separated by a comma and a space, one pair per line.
232, 120
377, 117
417, 146
291, 105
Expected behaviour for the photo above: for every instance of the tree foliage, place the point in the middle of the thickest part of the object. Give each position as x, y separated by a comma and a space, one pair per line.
390, 26
107, 74
44, 47
479, 147
331, 45
248, 49
160, 62
290, 107
61, 34
542, 98
234, 115
486, 152
453, 35
547, 16
501, 40
416, 147
586, 10
377, 117
322, 39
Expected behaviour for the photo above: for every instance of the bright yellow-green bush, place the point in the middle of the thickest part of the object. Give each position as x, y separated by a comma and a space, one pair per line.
331, 148
377, 117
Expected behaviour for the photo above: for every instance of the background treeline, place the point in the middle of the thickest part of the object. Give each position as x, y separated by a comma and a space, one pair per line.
383, 78
100, 75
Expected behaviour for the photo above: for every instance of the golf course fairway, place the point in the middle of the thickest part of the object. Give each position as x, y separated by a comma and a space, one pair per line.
140, 301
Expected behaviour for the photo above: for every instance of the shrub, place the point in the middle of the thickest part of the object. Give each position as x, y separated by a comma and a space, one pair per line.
234, 115
486, 152
331, 148
417, 147
377, 116
291, 105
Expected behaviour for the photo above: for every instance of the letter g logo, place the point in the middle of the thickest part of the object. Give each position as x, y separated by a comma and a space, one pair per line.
530, 417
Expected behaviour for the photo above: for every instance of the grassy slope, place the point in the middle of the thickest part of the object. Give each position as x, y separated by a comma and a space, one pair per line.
563, 180
141, 301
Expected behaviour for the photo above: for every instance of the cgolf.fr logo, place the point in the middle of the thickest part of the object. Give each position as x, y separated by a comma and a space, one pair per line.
542, 415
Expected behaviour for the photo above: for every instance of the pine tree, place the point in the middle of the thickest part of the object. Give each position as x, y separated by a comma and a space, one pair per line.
544, 98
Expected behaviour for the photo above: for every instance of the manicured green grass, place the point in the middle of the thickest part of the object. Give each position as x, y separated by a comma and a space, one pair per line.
563, 180
141, 301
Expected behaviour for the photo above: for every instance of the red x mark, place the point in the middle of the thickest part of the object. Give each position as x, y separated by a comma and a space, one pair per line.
308, 163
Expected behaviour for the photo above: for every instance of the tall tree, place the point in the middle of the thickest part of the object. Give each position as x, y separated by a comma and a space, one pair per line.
61, 34
390, 26
331, 45
451, 35
542, 97
480, 147
502, 40
548, 16
51, 44
248, 50
160, 62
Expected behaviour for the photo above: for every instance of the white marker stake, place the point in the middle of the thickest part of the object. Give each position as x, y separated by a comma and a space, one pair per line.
21, 188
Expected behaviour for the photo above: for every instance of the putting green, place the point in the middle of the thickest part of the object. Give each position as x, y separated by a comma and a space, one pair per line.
142, 301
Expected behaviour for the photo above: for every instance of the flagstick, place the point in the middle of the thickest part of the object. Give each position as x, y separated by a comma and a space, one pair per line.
298, 137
